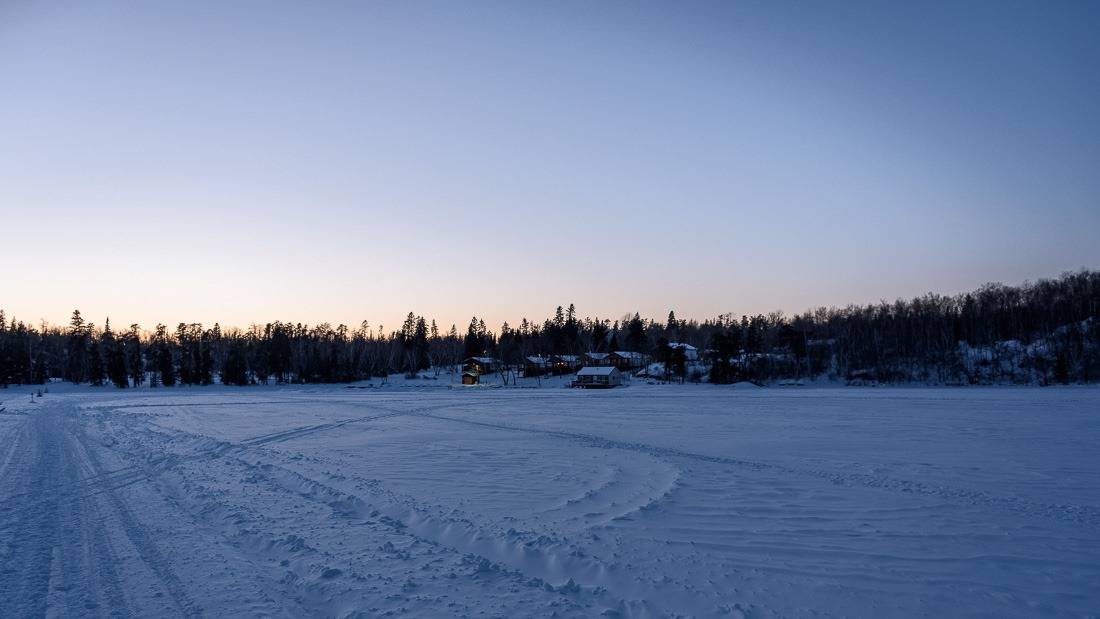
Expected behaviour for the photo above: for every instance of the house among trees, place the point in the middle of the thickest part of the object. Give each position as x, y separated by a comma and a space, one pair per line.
474, 367
626, 361
598, 377
1041, 333
691, 353
480, 365
564, 364
595, 359
536, 366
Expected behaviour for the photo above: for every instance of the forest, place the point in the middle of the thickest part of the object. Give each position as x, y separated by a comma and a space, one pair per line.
1042, 333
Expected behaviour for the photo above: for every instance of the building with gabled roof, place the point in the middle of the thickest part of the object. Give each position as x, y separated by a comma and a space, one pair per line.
564, 364
595, 359
598, 377
480, 365
536, 366
625, 360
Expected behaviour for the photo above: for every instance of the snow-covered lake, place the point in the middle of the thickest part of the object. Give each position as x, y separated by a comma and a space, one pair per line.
646, 501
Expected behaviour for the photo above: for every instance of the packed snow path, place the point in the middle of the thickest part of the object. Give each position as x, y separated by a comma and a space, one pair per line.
71, 544
649, 501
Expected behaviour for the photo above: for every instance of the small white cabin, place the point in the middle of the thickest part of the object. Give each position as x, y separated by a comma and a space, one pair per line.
601, 377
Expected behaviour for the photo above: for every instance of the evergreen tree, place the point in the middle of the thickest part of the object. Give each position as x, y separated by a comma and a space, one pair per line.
188, 355
613, 343
474, 343
78, 361
235, 370
207, 342
636, 338
166, 366
134, 358
97, 371
753, 345
570, 332
420, 344
723, 352
115, 357
600, 334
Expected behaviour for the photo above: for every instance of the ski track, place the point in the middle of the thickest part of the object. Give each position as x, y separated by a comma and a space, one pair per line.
108, 509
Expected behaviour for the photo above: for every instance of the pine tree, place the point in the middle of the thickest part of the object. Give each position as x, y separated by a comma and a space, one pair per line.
600, 333
78, 361
117, 371
207, 341
235, 370
636, 338
420, 344
165, 364
134, 358
97, 371
474, 342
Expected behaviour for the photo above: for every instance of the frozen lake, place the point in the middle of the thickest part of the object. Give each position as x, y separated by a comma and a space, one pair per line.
647, 501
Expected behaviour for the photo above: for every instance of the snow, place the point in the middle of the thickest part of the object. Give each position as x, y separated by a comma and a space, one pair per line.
423, 499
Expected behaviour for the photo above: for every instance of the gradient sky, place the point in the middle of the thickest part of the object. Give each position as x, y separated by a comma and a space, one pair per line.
246, 162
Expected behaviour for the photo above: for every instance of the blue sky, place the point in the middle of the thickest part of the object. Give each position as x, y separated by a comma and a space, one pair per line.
252, 161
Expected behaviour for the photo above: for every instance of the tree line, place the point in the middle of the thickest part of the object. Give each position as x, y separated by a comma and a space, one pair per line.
1044, 332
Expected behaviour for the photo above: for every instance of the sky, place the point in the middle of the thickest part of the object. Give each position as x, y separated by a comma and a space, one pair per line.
245, 162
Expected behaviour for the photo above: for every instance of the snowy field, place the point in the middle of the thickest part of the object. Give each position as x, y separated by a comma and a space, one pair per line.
646, 501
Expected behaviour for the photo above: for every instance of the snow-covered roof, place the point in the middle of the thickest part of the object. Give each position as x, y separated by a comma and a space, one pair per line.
487, 360
606, 370
628, 354
596, 355
681, 345
537, 360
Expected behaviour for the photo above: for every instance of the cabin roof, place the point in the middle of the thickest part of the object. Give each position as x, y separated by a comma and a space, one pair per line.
598, 371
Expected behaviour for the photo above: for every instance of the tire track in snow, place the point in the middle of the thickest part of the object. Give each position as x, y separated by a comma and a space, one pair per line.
550, 566
285, 435
58, 558
1073, 514
156, 452
109, 481
135, 533
489, 553
28, 520
308, 581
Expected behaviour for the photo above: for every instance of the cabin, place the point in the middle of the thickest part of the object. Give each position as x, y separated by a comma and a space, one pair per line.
564, 364
536, 366
602, 377
480, 365
626, 361
595, 359
471, 378
691, 353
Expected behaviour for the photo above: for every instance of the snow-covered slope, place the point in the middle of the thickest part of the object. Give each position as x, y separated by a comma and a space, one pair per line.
648, 501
